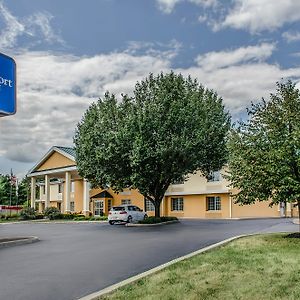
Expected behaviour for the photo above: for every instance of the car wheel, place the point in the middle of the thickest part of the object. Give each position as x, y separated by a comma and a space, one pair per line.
145, 217
111, 222
129, 220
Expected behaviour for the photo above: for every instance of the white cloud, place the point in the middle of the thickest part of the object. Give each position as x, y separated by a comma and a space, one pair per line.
35, 27
291, 36
40, 23
167, 6
55, 90
12, 30
259, 15
250, 54
205, 3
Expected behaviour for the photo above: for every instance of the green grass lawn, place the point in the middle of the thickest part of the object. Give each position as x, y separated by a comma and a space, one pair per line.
256, 267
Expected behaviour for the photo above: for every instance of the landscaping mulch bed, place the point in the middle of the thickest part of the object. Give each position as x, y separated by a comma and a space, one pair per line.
294, 235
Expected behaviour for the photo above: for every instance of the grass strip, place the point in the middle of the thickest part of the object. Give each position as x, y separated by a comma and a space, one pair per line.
252, 268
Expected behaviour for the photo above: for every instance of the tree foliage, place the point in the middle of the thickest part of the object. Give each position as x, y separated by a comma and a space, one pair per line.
11, 193
264, 152
170, 127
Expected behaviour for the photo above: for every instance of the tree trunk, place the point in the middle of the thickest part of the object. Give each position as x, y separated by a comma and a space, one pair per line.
157, 208
298, 203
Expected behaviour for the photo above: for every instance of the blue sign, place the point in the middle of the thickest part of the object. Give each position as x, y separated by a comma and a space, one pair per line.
8, 83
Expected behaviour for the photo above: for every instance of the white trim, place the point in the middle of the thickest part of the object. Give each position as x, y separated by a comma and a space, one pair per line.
86, 196
206, 192
53, 171
49, 153
67, 188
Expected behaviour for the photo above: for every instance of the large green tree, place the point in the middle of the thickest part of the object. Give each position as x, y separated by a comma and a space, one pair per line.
264, 151
170, 127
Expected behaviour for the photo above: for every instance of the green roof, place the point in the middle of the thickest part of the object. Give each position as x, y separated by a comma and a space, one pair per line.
68, 150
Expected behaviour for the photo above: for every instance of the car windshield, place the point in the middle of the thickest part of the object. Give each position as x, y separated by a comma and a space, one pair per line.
118, 208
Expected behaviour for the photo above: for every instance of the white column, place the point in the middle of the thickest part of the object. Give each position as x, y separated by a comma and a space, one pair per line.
33, 188
67, 191
86, 197
47, 191
41, 192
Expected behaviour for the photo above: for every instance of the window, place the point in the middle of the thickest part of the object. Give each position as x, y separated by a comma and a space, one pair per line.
72, 206
126, 201
214, 176
177, 204
213, 203
98, 207
109, 204
60, 187
149, 205
43, 190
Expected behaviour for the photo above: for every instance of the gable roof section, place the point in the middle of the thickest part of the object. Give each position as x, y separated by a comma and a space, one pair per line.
68, 152
103, 194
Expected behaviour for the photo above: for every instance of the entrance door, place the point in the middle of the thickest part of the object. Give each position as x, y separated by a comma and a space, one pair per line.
282, 209
98, 208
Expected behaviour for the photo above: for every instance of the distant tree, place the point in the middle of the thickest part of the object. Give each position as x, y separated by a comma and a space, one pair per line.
6, 189
172, 126
264, 152
24, 190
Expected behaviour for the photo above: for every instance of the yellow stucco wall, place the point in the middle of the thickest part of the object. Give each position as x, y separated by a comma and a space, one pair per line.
195, 207
56, 160
78, 195
257, 210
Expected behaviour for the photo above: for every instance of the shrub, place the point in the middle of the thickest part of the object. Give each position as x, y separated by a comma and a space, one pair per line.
52, 213
12, 216
103, 218
154, 220
39, 216
27, 213
68, 216
80, 218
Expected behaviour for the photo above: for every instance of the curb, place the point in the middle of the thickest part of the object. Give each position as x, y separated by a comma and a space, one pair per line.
51, 222
149, 225
296, 221
16, 241
109, 289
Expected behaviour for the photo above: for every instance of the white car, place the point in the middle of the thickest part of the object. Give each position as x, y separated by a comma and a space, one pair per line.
126, 213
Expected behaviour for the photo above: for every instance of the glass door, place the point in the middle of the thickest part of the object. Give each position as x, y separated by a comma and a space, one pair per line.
98, 208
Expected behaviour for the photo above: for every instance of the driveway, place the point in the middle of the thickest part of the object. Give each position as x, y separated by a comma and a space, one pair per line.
73, 260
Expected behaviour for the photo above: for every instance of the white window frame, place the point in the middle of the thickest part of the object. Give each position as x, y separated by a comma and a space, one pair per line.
213, 203
149, 206
214, 176
177, 204
126, 201
98, 206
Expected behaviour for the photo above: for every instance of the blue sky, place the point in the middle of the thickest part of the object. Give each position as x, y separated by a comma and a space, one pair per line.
69, 53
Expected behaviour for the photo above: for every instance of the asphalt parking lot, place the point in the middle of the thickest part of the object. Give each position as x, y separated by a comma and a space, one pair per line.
73, 260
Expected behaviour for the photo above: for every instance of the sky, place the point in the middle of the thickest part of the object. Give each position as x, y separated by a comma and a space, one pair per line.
68, 54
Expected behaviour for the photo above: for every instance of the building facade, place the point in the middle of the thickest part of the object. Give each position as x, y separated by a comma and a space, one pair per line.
55, 182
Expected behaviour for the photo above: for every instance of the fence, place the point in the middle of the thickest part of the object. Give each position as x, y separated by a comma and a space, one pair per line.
10, 209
